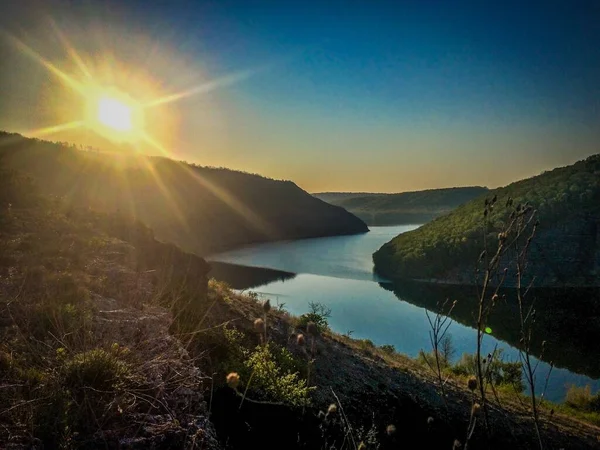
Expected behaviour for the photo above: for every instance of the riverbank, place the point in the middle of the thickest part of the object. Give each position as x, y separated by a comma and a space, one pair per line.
378, 387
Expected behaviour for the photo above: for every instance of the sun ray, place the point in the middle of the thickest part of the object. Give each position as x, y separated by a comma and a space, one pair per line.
70, 49
209, 86
67, 79
54, 129
160, 183
237, 206
154, 143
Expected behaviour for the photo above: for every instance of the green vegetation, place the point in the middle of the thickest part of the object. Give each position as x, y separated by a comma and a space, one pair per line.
318, 314
110, 338
404, 208
501, 373
275, 376
269, 371
201, 209
581, 398
567, 201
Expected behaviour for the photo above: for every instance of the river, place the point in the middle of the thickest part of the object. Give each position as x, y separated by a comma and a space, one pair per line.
338, 272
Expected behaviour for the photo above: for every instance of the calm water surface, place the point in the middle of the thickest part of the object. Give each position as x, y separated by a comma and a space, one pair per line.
338, 272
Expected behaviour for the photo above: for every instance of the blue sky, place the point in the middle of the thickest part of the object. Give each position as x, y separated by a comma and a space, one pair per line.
357, 95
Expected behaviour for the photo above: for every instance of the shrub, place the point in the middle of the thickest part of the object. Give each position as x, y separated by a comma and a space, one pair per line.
275, 376
96, 369
389, 349
63, 320
582, 398
5, 361
366, 344
318, 314
428, 359
500, 372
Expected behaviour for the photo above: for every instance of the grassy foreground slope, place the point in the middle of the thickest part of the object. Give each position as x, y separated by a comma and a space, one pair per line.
201, 209
403, 208
566, 249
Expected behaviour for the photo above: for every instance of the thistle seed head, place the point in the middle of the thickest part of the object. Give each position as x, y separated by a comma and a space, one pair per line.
259, 325
233, 380
266, 306
472, 383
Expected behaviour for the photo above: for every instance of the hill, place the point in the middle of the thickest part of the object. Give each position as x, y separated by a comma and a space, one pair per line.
336, 197
201, 209
403, 208
111, 339
564, 251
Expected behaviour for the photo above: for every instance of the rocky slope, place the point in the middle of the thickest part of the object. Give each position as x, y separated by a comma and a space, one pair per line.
201, 209
87, 359
403, 208
564, 251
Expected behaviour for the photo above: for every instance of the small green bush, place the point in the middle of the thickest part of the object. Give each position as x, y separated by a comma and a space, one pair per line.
366, 344
45, 318
96, 369
500, 372
427, 359
5, 361
274, 375
318, 314
389, 349
581, 398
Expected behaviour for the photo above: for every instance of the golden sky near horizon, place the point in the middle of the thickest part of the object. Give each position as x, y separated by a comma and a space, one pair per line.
248, 117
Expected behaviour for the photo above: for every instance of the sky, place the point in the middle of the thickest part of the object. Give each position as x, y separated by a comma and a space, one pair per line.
382, 96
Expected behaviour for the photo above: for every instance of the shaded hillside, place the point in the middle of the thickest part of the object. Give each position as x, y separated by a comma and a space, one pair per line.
337, 197
403, 208
201, 209
565, 250
110, 339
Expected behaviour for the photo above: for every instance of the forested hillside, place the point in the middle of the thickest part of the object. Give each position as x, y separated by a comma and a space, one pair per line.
403, 208
565, 249
111, 339
202, 209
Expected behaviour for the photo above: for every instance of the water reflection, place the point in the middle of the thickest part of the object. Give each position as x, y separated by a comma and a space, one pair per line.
241, 277
394, 315
570, 342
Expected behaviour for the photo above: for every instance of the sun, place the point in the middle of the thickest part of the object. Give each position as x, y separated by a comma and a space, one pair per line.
114, 114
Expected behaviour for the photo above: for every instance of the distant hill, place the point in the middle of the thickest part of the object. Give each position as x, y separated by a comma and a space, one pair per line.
201, 209
565, 250
403, 208
336, 197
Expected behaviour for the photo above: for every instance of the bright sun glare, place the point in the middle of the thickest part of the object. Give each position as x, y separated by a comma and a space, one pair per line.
114, 114
108, 110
